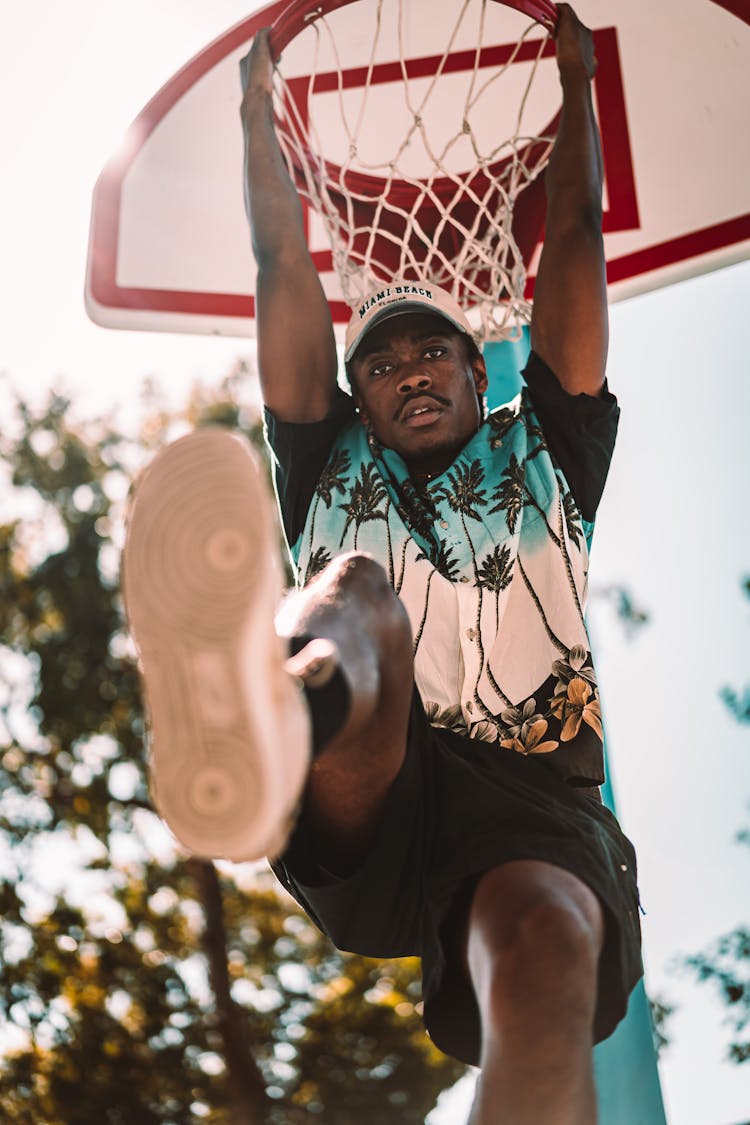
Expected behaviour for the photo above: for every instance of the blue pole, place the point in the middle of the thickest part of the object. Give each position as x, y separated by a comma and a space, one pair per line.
627, 1078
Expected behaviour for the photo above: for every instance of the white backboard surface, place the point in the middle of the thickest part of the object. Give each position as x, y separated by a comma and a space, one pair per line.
169, 244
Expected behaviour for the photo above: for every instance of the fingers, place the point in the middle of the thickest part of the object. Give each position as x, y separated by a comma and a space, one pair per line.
548, 21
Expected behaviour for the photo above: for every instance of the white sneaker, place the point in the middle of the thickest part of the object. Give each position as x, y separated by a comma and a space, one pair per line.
202, 578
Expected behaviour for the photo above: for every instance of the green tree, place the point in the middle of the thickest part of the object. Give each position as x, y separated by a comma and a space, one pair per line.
738, 700
725, 963
139, 985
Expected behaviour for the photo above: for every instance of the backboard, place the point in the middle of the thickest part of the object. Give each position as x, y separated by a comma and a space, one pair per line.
169, 245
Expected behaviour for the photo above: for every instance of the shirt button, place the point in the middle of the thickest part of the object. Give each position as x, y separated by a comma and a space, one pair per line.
471, 634
444, 524
463, 578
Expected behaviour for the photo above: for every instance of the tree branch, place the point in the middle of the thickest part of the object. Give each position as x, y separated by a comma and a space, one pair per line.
247, 1093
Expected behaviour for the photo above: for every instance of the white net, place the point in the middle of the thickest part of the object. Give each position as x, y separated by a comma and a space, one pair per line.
402, 160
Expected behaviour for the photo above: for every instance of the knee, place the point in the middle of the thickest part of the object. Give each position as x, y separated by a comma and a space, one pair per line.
356, 567
551, 936
555, 928
358, 571
360, 577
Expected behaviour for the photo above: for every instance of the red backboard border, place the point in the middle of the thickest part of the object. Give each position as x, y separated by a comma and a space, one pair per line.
622, 213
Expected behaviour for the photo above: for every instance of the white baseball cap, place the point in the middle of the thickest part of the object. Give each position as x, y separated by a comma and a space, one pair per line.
401, 297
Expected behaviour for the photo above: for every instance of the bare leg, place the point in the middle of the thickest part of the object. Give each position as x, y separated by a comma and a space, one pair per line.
352, 605
534, 935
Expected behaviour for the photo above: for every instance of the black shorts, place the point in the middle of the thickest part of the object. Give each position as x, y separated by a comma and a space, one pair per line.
458, 808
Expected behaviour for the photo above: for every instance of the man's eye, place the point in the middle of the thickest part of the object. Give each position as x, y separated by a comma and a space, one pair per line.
434, 352
380, 370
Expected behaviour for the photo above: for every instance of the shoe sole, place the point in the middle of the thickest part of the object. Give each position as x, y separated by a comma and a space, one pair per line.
202, 578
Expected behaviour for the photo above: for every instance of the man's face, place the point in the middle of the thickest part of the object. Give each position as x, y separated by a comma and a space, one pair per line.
416, 387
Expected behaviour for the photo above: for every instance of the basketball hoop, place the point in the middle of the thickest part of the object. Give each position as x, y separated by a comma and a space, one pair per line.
412, 211
302, 13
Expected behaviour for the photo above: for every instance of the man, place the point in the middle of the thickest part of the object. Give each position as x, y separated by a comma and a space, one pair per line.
460, 821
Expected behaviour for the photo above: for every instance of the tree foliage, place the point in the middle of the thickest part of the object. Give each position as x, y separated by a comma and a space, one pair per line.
738, 699
139, 985
726, 962
630, 615
661, 1012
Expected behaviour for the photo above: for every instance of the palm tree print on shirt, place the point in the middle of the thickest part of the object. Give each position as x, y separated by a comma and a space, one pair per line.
495, 574
365, 497
570, 514
465, 497
533, 430
493, 475
540, 609
318, 561
332, 479
418, 512
567, 506
446, 567
501, 422
513, 495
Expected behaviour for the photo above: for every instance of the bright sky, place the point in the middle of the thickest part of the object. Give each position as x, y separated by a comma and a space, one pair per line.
673, 526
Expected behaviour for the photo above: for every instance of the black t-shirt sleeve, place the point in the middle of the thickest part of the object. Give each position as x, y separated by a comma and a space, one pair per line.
300, 451
580, 431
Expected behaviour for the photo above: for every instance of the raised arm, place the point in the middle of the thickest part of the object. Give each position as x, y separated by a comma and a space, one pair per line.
569, 326
296, 349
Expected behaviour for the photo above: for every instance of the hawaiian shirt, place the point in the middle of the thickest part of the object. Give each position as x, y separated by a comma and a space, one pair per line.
490, 560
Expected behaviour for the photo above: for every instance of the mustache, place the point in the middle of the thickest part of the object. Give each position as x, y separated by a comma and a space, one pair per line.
422, 396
